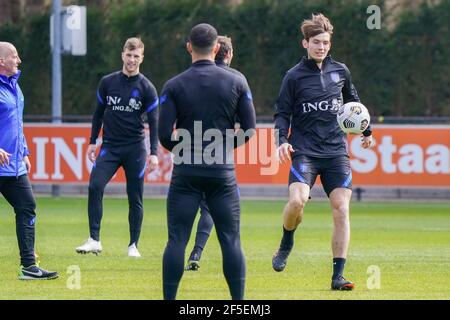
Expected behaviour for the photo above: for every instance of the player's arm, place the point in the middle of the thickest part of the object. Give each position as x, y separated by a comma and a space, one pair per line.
152, 119
167, 119
97, 120
283, 113
26, 153
350, 94
246, 114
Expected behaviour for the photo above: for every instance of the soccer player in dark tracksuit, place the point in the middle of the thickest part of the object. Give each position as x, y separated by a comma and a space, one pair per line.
123, 97
204, 101
15, 165
310, 96
223, 59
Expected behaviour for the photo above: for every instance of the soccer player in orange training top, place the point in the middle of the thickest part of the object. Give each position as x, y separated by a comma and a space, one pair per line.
310, 96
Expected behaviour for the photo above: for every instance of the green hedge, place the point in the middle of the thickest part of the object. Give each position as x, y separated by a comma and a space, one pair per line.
404, 71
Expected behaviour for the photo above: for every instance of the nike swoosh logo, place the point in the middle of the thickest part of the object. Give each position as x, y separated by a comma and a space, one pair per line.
34, 273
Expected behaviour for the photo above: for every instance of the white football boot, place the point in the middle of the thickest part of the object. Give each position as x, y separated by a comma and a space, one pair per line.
133, 251
90, 245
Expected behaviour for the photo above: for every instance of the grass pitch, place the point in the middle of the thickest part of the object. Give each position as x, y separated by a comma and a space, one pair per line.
408, 243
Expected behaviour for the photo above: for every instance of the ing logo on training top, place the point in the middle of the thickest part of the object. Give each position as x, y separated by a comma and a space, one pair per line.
115, 103
134, 100
133, 103
336, 104
112, 100
325, 105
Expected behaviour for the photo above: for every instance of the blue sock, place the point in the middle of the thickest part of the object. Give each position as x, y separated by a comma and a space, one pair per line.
287, 242
338, 267
196, 253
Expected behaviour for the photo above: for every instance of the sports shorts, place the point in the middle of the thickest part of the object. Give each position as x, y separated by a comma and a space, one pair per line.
334, 172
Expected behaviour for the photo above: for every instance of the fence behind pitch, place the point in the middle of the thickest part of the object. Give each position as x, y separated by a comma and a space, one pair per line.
404, 156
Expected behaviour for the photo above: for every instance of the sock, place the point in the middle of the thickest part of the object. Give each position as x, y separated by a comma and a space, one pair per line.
338, 267
287, 242
196, 251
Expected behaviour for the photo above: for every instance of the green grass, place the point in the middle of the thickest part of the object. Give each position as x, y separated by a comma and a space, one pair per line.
409, 242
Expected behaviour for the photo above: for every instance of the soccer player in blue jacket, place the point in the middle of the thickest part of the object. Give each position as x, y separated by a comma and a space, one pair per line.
310, 96
15, 165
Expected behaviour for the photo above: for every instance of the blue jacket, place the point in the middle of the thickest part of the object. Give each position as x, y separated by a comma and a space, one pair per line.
12, 139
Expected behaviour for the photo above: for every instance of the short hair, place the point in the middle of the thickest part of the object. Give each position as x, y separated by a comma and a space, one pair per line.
133, 44
316, 25
203, 38
225, 47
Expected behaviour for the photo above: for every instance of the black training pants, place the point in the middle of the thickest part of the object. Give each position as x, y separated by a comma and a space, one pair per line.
222, 198
133, 159
17, 191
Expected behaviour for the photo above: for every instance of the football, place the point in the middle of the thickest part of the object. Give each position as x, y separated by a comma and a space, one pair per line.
353, 117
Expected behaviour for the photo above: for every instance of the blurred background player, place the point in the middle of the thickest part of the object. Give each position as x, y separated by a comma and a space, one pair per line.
15, 165
208, 96
316, 142
223, 59
123, 97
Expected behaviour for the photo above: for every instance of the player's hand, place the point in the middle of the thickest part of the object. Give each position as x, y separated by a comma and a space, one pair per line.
91, 152
4, 157
27, 162
152, 162
284, 152
367, 142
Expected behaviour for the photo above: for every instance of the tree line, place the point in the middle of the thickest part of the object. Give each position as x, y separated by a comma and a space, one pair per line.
401, 69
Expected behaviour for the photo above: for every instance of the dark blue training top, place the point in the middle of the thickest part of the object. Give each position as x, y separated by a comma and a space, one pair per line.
223, 65
122, 100
308, 102
209, 96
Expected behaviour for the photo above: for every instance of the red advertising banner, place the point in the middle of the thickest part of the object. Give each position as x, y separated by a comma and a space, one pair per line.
402, 156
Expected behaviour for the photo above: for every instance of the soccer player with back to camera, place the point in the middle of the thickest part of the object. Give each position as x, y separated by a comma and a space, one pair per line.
122, 99
223, 60
206, 99
310, 95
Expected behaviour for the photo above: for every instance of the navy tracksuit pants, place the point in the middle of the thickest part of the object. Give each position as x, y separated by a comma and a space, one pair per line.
222, 198
133, 159
204, 227
18, 193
